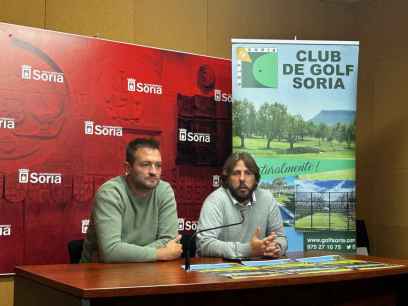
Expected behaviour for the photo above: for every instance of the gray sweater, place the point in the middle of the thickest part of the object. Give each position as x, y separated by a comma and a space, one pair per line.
221, 208
127, 228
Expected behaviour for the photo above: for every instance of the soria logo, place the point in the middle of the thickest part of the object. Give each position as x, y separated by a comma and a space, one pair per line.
102, 130
184, 135
30, 73
7, 123
186, 225
84, 226
5, 230
135, 86
216, 181
220, 96
25, 176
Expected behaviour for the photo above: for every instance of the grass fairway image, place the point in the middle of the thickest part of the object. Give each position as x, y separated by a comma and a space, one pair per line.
325, 221
325, 205
334, 160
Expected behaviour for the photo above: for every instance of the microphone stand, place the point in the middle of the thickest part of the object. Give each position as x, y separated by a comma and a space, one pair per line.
187, 255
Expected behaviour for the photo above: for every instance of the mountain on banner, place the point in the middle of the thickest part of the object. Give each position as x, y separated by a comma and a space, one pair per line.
332, 117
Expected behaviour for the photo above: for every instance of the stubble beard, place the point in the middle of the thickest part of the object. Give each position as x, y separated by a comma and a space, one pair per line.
141, 185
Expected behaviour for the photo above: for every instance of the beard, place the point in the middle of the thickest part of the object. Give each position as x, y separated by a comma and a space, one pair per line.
143, 184
242, 195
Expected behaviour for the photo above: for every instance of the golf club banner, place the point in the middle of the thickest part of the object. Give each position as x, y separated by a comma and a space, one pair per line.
69, 104
294, 110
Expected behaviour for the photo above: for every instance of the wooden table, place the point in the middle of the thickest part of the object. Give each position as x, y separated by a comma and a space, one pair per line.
166, 283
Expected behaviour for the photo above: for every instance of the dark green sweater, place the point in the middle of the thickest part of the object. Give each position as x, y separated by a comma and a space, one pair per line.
127, 228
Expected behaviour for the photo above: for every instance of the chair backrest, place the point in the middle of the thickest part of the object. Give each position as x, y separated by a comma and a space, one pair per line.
75, 250
362, 235
189, 243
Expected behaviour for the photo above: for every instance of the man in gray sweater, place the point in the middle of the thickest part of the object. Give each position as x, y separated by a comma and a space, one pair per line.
260, 234
134, 217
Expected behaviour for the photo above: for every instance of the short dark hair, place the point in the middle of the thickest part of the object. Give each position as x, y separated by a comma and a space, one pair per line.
232, 160
139, 143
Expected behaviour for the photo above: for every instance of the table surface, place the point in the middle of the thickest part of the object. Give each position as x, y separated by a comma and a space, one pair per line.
130, 279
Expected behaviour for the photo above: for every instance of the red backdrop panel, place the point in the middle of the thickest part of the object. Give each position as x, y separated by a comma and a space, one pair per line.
69, 105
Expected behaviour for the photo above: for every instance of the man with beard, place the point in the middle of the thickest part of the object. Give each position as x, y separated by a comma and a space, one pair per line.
260, 234
134, 217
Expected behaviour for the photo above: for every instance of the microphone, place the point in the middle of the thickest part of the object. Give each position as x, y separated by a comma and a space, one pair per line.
187, 251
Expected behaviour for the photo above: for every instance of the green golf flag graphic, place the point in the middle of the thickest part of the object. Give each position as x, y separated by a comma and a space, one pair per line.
261, 71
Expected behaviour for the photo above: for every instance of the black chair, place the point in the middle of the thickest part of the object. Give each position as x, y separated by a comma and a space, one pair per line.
75, 250
189, 243
362, 235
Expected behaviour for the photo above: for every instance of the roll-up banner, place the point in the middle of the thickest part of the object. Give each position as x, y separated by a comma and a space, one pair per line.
294, 110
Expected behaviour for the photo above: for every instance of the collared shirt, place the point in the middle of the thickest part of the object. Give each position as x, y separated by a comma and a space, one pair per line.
235, 201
